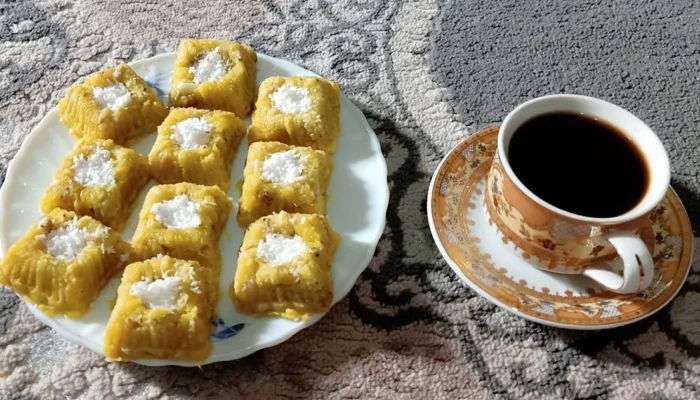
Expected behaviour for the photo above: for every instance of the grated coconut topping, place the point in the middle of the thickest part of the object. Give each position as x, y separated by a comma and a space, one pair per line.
209, 68
114, 96
177, 213
160, 293
96, 170
191, 133
291, 99
68, 241
284, 167
278, 249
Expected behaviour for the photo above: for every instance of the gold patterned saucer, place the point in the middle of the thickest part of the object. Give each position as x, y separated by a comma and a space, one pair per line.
494, 267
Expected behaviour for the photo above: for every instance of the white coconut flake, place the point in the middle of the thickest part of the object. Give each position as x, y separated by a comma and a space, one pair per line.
192, 133
114, 96
186, 87
178, 213
66, 242
160, 293
101, 232
209, 68
284, 167
291, 99
97, 170
278, 249
194, 283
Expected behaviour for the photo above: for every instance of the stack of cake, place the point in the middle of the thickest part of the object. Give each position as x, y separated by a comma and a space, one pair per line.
169, 288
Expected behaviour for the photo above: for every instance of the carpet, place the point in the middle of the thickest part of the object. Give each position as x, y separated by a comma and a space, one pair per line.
426, 74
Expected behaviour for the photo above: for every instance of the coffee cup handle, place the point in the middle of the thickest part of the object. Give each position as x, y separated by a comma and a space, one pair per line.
638, 265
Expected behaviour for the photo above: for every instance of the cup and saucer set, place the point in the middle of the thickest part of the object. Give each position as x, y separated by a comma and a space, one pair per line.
559, 250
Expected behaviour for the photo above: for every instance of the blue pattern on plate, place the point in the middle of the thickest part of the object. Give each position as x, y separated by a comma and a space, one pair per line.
152, 82
223, 331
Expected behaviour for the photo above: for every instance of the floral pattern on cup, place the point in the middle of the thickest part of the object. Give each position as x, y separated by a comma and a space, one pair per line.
560, 245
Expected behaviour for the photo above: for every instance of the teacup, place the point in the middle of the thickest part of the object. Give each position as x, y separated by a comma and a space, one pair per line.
560, 241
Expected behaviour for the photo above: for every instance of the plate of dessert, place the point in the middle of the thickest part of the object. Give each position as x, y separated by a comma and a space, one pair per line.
193, 207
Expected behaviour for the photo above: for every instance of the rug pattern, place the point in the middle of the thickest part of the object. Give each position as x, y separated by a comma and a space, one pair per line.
426, 74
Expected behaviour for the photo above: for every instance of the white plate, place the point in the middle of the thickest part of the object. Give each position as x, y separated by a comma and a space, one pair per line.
359, 196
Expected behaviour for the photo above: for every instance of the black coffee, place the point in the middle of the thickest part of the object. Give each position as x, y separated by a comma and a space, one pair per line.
579, 164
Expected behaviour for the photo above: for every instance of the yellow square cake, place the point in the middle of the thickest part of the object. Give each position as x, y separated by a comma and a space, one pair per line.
184, 221
215, 75
196, 146
99, 179
62, 263
285, 266
164, 310
279, 177
113, 104
299, 110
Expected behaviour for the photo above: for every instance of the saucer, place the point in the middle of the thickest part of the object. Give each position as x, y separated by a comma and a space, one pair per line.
495, 268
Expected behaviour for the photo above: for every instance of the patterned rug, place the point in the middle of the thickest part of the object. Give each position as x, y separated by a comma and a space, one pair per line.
426, 74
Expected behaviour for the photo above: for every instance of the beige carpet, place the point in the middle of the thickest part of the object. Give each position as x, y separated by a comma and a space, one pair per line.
426, 73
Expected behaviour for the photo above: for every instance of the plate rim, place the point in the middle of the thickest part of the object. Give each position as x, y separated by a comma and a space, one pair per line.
506, 307
382, 198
